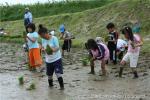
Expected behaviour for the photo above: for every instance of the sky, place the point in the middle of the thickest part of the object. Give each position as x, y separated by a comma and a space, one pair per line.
12, 2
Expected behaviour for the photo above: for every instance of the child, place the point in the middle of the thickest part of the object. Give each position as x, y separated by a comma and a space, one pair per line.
134, 43
121, 48
52, 32
97, 52
136, 27
53, 60
112, 42
67, 37
35, 59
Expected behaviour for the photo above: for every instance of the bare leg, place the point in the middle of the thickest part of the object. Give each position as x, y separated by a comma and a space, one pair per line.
103, 63
135, 73
121, 68
92, 67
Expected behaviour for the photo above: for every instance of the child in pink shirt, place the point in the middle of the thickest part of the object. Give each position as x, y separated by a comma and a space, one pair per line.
132, 55
97, 52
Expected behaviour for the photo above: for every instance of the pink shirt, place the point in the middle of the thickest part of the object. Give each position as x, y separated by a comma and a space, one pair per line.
137, 39
96, 52
106, 51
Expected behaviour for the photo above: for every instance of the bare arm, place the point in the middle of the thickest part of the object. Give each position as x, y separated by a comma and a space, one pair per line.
139, 44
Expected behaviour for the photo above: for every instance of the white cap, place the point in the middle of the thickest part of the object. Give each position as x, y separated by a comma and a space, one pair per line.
27, 8
99, 39
52, 32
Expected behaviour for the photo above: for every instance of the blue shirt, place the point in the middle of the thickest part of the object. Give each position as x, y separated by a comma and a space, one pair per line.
31, 44
53, 42
62, 28
136, 29
28, 16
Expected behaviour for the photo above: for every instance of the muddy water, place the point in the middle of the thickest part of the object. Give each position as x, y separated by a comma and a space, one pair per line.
78, 84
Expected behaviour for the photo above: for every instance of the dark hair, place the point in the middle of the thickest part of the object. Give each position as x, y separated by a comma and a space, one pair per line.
91, 44
128, 30
32, 26
42, 30
110, 25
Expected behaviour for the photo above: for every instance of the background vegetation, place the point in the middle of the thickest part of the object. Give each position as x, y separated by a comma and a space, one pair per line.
16, 12
88, 23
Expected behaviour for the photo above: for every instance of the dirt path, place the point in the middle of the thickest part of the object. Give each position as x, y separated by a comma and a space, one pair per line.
78, 84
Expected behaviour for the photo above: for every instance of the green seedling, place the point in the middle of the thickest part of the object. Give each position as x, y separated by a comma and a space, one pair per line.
21, 80
49, 51
28, 66
31, 87
84, 62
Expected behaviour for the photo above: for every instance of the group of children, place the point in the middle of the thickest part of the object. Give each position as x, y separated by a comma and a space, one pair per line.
115, 48
53, 61
97, 50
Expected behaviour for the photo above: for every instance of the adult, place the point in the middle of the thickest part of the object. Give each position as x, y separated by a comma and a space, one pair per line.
27, 17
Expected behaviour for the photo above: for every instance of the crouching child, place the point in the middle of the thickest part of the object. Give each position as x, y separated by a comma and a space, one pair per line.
97, 51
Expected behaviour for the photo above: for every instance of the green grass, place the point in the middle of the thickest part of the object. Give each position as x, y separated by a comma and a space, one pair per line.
11, 39
146, 47
16, 12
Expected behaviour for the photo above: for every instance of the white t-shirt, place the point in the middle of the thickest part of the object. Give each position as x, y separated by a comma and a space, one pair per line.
53, 42
52, 33
67, 35
33, 44
28, 15
120, 44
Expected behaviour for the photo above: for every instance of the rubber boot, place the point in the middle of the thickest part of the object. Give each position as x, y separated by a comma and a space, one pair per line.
50, 81
61, 83
121, 71
92, 70
135, 75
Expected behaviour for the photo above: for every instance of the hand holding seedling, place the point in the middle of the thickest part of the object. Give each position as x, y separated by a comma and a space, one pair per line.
133, 45
49, 50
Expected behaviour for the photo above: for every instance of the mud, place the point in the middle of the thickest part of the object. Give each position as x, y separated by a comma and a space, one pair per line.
78, 84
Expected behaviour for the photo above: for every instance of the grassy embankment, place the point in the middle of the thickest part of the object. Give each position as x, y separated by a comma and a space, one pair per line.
92, 22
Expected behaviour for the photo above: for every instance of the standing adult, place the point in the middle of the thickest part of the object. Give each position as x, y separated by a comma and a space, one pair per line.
27, 17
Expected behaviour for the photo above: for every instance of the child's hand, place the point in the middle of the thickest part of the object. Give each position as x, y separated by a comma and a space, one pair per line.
93, 58
122, 62
42, 49
133, 45
51, 48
